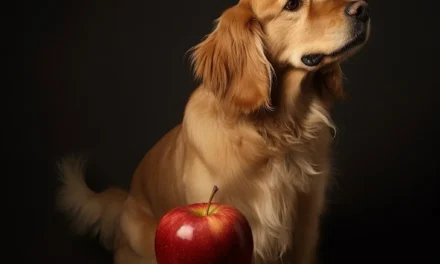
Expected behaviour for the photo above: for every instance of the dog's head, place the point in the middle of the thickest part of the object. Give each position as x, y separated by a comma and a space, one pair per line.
236, 60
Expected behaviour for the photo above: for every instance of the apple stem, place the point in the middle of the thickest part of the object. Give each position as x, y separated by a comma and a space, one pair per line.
214, 190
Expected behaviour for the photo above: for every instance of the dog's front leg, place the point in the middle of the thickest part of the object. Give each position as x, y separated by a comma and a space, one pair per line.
306, 230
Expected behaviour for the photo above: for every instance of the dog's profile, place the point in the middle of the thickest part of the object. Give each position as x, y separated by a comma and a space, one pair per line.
258, 126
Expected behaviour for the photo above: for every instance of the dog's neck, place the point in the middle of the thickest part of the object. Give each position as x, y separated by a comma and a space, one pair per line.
297, 109
292, 91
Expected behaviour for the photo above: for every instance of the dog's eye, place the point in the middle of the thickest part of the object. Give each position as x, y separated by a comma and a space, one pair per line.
292, 5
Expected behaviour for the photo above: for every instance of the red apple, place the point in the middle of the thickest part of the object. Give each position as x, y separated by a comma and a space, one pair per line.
204, 233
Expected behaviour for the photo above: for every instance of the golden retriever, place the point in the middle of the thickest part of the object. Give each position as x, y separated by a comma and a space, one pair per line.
258, 126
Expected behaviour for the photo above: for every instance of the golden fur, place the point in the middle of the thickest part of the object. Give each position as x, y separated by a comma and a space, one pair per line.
258, 126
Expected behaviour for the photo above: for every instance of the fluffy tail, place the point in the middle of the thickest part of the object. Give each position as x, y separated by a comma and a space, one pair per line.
90, 212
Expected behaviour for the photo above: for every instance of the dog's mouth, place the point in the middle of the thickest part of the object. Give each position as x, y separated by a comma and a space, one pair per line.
312, 60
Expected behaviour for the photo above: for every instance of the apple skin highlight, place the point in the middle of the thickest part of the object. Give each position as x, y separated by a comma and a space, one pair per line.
187, 235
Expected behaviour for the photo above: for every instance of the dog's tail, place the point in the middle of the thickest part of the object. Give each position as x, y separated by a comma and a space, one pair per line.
91, 212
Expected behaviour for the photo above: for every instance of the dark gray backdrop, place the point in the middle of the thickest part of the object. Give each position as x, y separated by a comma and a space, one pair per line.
109, 78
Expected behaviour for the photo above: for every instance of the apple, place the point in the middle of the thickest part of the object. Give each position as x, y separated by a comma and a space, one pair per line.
204, 233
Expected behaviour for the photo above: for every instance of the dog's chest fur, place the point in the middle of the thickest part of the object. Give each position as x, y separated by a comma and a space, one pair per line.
274, 209
273, 192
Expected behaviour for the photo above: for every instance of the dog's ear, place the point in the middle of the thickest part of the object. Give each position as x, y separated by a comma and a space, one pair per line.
231, 60
331, 79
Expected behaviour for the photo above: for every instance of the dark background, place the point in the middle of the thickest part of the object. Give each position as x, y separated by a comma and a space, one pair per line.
108, 78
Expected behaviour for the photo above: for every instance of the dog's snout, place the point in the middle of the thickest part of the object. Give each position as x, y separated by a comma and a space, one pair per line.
358, 10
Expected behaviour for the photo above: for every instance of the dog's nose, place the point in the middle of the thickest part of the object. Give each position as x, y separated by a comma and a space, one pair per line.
358, 10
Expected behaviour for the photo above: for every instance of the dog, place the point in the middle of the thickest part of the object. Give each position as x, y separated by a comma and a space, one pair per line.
258, 125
